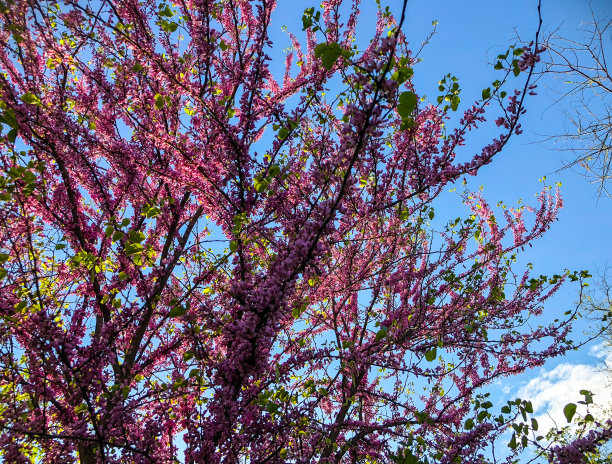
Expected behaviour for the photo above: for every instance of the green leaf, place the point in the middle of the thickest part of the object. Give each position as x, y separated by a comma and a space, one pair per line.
402, 74
193, 373
329, 53
150, 211
133, 248
260, 185
407, 104
455, 102
298, 310
177, 311
513, 444
283, 133
569, 410
469, 424
272, 408
307, 18
329, 59
320, 49
486, 93
21, 305
274, 170
431, 354
166, 12
588, 396
29, 177
534, 424
3, 273
159, 101
31, 99
382, 333
12, 135
123, 276
138, 259
80, 408
169, 26
4, 257
407, 124
9, 118
136, 236
233, 246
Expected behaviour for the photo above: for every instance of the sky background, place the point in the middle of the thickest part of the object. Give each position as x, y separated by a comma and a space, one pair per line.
470, 34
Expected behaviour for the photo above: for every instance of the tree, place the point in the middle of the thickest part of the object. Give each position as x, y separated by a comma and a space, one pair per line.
582, 64
588, 437
176, 281
583, 442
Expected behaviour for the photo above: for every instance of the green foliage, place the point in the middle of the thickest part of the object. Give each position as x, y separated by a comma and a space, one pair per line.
382, 333
178, 311
330, 52
403, 71
9, 118
165, 15
309, 18
449, 86
509, 60
568, 411
430, 355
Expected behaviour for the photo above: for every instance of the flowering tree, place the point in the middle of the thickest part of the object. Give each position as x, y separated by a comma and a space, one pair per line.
202, 262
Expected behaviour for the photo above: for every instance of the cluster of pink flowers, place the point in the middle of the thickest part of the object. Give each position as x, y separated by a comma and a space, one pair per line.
575, 452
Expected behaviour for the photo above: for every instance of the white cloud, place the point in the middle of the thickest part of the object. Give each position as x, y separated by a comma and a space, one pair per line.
552, 389
602, 351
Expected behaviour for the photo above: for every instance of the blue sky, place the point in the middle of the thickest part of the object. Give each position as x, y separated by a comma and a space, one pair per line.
469, 35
